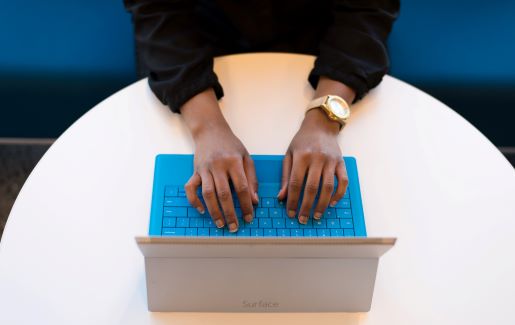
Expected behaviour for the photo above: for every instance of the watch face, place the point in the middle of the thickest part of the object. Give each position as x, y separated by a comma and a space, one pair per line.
339, 108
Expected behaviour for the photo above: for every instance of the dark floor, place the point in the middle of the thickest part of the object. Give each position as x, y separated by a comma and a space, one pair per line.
18, 160
16, 163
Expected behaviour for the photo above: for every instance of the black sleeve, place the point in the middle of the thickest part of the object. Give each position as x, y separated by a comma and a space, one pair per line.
174, 53
353, 50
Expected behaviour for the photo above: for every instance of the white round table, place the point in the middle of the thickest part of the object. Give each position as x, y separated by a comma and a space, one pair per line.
428, 177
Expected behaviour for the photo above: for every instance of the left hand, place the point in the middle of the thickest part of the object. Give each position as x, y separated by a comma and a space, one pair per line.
314, 151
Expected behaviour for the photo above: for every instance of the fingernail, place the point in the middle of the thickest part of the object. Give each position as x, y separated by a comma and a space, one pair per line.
219, 223
248, 218
333, 204
201, 210
256, 197
233, 227
291, 213
317, 215
303, 220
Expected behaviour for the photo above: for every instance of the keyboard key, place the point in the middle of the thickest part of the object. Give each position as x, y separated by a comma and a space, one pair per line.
324, 232
256, 232
174, 212
344, 213
267, 202
203, 232
262, 213
269, 232
177, 201
208, 223
265, 223
292, 223
347, 193
279, 204
196, 222
333, 223
319, 223
193, 213
278, 222
348, 232
343, 203
329, 213
236, 202
216, 232
183, 222
243, 232
168, 201
283, 232
169, 222
309, 224
173, 231
297, 232
181, 192
346, 223
171, 190
275, 213
190, 232
227, 233
253, 224
310, 232
336, 232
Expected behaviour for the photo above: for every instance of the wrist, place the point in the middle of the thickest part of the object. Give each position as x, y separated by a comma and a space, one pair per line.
316, 118
202, 114
328, 86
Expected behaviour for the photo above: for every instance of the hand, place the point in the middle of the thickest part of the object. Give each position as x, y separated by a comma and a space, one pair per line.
220, 157
314, 151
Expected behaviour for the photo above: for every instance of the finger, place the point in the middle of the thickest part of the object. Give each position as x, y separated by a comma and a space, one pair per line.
327, 188
223, 191
242, 188
310, 190
191, 192
285, 176
209, 194
343, 181
295, 183
250, 173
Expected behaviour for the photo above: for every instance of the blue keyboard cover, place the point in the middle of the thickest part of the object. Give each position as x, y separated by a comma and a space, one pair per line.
172, 215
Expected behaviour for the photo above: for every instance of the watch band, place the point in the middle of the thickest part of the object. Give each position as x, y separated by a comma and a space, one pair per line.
317, 102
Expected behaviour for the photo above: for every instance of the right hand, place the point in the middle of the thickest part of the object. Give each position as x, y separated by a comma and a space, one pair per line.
220, 158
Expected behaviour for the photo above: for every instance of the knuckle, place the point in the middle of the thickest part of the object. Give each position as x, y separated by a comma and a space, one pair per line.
311, 188
304, 153
224, 194
242, 189
328, 186
208, 193
188, 185
295, 185
231, 158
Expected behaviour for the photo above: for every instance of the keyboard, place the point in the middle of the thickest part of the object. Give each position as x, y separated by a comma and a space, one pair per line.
270, 219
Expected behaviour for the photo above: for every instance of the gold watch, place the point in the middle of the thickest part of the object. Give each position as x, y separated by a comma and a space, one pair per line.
334, 106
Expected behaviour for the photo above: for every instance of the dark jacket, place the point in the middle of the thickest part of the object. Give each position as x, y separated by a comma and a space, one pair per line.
176, 40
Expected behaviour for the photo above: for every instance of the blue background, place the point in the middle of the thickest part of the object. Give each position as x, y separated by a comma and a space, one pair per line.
60, 58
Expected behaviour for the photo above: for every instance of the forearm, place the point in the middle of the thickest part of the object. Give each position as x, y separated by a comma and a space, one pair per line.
202, 113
